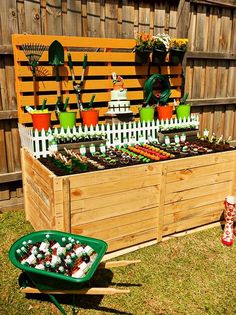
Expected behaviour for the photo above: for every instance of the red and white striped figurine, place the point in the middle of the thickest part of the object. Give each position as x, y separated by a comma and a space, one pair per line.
229, 213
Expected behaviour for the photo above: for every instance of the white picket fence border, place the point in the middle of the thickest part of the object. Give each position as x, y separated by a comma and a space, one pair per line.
38, 143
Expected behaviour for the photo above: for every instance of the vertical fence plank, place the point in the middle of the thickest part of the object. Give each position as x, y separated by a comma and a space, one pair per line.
225, 30
53, 17
8, 21
10, 79
93, 17
144, 16
32, 16
159, 18
74, 18
127, 19
111, 18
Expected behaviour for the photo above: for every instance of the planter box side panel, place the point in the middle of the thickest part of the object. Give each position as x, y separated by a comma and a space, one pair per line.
119, 206
38, 191
195, 191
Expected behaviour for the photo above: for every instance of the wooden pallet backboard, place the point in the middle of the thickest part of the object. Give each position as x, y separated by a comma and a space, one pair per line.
105, 55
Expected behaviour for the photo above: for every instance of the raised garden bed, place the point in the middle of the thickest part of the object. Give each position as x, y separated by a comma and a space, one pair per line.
130, 205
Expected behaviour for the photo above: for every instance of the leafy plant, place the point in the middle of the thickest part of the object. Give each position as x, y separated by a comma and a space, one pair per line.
161, 42
179, 43
144, 42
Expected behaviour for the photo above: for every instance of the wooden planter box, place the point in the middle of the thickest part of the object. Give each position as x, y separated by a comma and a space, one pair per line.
130, 205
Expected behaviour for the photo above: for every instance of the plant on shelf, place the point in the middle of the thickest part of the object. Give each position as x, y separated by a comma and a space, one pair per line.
184, 108
178, 47
143, 47
147, 111
161, 46
89, 114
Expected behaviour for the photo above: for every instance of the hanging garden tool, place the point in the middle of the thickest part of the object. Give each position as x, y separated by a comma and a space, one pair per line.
33, 52
56, 58
78, 86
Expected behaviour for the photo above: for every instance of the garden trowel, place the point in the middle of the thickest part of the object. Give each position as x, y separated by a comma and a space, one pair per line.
56, 58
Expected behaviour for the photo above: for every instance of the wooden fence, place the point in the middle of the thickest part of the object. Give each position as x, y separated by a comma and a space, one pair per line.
210, 62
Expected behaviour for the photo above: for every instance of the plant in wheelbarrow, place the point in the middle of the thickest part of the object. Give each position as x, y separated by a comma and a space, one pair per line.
143, 47
158, 86
161, 46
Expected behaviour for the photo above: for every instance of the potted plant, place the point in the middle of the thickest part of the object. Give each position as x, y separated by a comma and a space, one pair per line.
41, 118
184, 108
90, 115
161, 83
67, 119
178, 47
146, 112
161, 44
143, 48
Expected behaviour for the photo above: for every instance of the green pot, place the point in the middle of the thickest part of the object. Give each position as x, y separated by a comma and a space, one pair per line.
146, 114
176, 56
183, 111
67, 119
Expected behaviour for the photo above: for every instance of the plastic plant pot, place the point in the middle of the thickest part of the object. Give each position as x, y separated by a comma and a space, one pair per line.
146, 114
142, 57
176, 56
41, 121
159, 56
164, 112
90, 117
183, 111
46, 280
67, 119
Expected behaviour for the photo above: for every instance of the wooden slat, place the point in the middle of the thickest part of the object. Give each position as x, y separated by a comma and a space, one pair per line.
114, 223
10, 177
97, 70
210, 55
132, 239
88, 85
109, 176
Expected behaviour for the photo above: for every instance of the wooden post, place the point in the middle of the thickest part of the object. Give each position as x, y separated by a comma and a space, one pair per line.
66, 205
160, 214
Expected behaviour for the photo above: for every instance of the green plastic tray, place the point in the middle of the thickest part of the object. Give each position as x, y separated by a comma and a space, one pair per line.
46, 280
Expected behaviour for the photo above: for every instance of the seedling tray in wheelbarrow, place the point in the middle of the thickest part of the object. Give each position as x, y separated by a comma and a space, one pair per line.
47, 280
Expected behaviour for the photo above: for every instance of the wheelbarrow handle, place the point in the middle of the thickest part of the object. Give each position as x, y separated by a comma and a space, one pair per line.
87, 291
117, 263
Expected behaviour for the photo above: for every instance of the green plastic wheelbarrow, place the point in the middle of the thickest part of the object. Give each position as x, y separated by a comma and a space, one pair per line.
44, 282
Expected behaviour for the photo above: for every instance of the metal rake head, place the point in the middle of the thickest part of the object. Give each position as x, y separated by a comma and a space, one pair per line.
33, 52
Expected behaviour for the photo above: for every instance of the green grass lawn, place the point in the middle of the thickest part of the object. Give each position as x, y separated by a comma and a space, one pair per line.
193, 274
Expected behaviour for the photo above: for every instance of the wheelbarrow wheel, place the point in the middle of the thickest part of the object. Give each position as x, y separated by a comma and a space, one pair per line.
24, 281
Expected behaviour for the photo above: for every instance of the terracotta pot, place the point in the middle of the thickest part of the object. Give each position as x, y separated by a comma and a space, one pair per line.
165, 112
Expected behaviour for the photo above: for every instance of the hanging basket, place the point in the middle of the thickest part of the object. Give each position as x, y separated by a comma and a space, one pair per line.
159, 56
142, 57
176, 56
